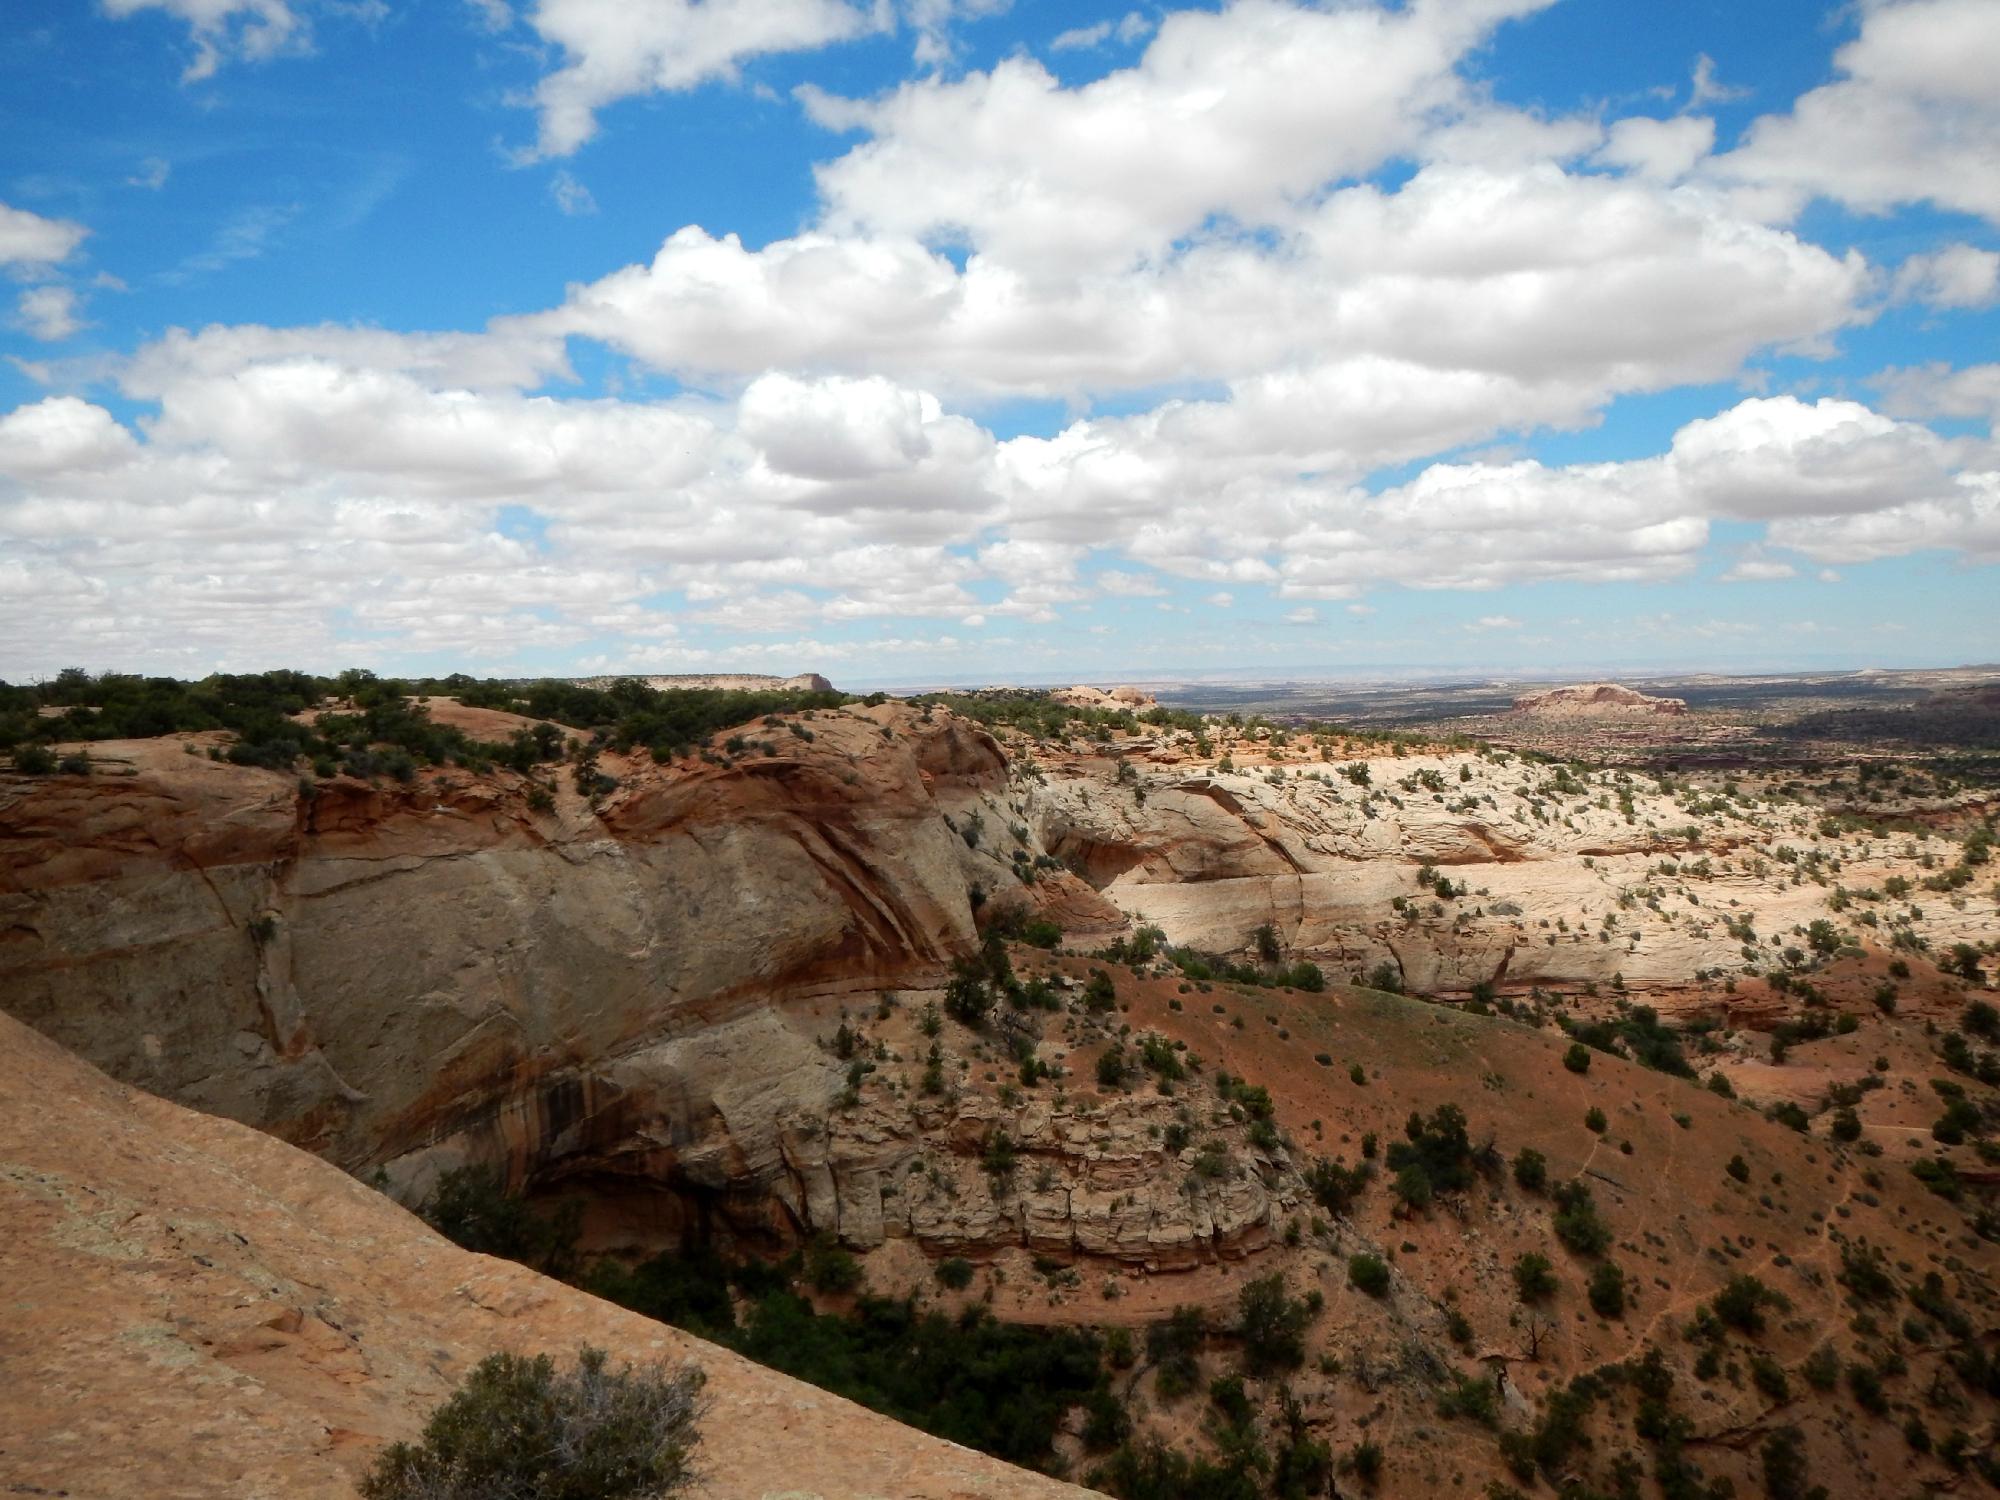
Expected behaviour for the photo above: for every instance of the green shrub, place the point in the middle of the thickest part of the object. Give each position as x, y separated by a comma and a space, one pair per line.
1531, 1169
829, 1268
519, 1428
954, 1273
1303, 1464
1368, 1274
1153, 1471
1784, 1462
1119, 1352
1335, 1185
1272, 1325
1577, 1059
1607, 1291
1304, 975
688, 1288
1173, 1347
1865, 1273
1465, 1397
1113, 1067
1940, 1177
1158, 1055
1576, 1222
1099, 993
1002, 1389
1769, 1377
1437, 1156
1865, 1381
472, 1207
1000, 1156
1534, 1277
1822, 1368
1364, 1461
1106, 1422
966, 997
1789, 1114
1742, 1301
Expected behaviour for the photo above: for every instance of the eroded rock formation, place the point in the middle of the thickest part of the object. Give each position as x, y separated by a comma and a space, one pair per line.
367, 969
627, 1002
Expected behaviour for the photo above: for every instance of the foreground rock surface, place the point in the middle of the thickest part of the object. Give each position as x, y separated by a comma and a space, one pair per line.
196, 1309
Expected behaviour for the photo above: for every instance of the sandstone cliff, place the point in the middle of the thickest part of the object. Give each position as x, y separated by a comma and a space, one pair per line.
628, 1002
370, 969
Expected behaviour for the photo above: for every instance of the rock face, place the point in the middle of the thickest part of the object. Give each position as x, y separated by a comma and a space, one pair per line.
803, 682
1591, 700
375, 969
197, 1310
637, 1002
1557, 882
1106, 698
627, 1003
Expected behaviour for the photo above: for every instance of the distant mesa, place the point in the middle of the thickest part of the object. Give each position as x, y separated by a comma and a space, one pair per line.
1593, 700
1106, 698
1978, 697
731, 682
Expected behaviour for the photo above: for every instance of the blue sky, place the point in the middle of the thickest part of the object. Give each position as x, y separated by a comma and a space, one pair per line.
959, 340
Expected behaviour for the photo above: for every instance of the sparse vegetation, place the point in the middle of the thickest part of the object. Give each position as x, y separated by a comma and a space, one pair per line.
522, 1429
1367, 1273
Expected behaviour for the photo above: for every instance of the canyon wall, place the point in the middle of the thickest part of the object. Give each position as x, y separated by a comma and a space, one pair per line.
369, 969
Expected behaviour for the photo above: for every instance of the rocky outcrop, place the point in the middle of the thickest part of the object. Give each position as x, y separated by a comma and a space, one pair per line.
1591, 700
634, 1002
1106, 698
624, 1004
1557, 882
366, 968
803, 682
197, 1309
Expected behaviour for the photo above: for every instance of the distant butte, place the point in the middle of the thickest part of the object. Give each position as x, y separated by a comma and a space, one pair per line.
734, 682
1106, 698
1589, 700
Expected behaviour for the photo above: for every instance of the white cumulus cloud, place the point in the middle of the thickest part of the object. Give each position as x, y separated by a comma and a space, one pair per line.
1915, 116
28, 239
1957, 276
613, 49
50, 313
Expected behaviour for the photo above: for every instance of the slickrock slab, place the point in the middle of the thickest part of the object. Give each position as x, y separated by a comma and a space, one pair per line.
194, 1309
